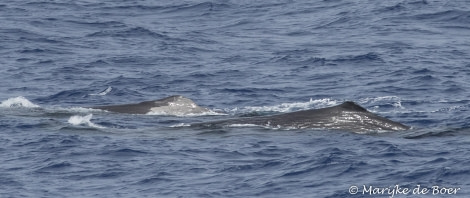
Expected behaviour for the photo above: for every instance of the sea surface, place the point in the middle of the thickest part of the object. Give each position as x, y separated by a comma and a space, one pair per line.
407, 60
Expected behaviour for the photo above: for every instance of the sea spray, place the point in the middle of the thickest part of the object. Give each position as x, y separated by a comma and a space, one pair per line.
19, 101
78, 120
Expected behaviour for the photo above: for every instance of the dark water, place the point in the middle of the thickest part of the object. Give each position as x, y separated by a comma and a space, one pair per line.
405, 60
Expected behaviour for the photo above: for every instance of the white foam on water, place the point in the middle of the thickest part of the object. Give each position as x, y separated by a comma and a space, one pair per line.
395, 101
289, 107
165, 112
81, 110
16, 102
78, 120
180, 125
243, 125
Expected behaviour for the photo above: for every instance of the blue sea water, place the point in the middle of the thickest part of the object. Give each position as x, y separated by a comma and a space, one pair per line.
407, 60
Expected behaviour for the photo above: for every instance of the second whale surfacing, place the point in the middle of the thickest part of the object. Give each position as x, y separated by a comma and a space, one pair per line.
347, 116
173, 105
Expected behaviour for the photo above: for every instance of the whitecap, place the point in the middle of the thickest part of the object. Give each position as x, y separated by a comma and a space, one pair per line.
78, 120
19, 101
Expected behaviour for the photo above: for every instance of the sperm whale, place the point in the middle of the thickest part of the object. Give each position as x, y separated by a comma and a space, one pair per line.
346, 116
172, 105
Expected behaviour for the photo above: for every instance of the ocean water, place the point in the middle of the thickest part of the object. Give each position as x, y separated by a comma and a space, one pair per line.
407, 60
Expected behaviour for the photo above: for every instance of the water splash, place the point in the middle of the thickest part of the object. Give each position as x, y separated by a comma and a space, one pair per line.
78, 120
16, 102
395, 101
289, 107
183, 114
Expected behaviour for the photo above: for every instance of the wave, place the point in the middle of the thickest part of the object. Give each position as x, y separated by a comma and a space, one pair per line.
369, 57
129, 32
96, 24
78, 120
65, 96
200, 9
22, 102
102, 93
436, 133
383, 101
165, 8
404, 6
16, 102
50, 4
449, 16
298, 58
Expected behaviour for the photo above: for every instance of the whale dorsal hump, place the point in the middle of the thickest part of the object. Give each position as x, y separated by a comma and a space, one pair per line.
176, 99
176, 105
351, 106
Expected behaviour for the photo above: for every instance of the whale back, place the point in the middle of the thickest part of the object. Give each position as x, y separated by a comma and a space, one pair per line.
351, 106
176, 105
346, 116
172, 105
